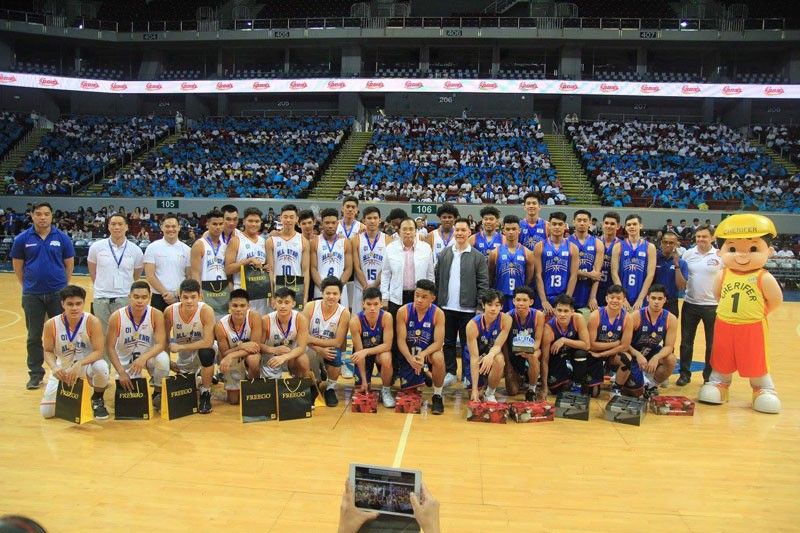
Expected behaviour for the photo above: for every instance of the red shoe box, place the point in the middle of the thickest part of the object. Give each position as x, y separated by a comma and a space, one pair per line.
672, 405
522, 412
408, 401
364, 402
491, 412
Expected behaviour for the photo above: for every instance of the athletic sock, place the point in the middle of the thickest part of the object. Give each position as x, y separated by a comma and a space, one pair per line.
386, 389
438, 390
489, 391
204, 389
531, 387
331, 384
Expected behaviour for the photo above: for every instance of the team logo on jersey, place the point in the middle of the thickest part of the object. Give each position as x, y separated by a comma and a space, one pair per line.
654, 335
610, 334
418, 332
642, 254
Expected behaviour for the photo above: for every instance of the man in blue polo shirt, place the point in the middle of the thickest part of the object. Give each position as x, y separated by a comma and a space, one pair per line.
43, 258
671, 270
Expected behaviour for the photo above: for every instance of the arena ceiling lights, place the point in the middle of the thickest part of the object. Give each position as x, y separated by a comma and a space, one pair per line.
401, 85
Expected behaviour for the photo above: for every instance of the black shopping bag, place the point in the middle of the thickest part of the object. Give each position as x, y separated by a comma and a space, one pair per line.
217, 294
178, 396
74, 402
256, 282
258, 401
294, 398
134, 404
297, 284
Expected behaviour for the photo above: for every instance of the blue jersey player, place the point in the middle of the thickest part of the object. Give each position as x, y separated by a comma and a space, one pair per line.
633, 263
556, 263
511, 265
610, 331
420, 337
523, 347
372, 331
590, 262
565, 343
654, 332
609, 241
486, 335
532, 229
488, 238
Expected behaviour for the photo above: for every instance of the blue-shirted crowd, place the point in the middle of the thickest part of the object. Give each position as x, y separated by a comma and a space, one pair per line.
12, 127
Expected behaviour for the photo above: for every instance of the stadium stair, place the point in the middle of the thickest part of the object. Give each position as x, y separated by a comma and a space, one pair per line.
790, 167
574, 182
333, 181
96, 188
17, 155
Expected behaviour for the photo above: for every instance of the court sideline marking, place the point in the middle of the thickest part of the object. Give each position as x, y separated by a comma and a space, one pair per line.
401, 444
16, 315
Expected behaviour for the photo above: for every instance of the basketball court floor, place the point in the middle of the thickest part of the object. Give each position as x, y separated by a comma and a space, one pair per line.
727, 468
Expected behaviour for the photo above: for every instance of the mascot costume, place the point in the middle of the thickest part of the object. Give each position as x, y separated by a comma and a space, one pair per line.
747, 294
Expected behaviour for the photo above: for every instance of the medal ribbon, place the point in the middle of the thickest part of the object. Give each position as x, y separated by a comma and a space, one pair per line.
285, 332
133, 321
71, 334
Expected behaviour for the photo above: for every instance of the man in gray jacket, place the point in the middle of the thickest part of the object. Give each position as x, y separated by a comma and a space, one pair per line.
462, 276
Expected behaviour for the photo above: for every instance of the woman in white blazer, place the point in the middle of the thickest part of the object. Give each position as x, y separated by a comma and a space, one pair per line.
397, 289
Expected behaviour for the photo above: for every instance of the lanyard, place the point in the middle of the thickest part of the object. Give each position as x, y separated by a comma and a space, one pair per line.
330, 245
215, 250
133, 321
285, 332
240, 333
449, 238
122, 255
71, 334
346, 231
374, 243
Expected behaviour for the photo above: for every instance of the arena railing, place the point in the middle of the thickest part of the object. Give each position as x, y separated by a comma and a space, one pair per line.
543, 23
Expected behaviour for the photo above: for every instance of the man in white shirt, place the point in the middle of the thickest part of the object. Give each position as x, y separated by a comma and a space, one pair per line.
114, 264
167, 262
699, 302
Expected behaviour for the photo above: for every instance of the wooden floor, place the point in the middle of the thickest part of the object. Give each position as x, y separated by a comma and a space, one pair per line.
726, 469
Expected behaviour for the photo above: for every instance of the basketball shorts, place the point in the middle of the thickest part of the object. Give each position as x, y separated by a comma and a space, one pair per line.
370, 363
741, 347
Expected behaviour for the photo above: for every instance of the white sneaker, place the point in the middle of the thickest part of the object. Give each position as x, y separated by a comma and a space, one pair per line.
347, 371
664, 384
387, 398
489, 397
449, 379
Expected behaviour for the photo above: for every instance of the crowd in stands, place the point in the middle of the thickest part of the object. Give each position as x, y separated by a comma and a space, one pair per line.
682, 166
12, 127
81, 147
455, 160
783, 139
234, 157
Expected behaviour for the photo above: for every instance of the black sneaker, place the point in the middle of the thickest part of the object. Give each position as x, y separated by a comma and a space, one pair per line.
157, 401
314, 393
205, 403
99, 409
616, 389
530, 395
428, 379
650, 391
219, 377
437, 404
330, 398
34, 382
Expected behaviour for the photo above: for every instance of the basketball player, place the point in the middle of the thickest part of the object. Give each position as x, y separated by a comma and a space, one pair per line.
208, 260
238, 337
306, 222
532, 229
331, 255
653, 346
523, 349
328, 323
230, 215
73, 349
369, 252
285, 339
488, 238
565, 345
609, 241
590, 262
288, 252
511, 265
190, 325
557, 263
610, 333
372, 331
633, 264
248, 248
349, 227
137, 339
486, 336
420, 337
442, 237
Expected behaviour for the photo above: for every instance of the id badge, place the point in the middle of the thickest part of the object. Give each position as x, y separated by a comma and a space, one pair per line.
119, 280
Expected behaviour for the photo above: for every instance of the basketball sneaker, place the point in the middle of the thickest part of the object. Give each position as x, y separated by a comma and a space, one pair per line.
449, 379
530, 395
387, 399
99, 409
205, 403
437, 404
489, 397
330, 398
616, 389
157, 401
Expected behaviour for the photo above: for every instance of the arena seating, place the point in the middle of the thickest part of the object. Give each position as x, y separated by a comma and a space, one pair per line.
36, 67
455, 160
783, 139
399, 70
235, 157
761, 78
681, 166
12, 128
520, 72
452, 72
80, 148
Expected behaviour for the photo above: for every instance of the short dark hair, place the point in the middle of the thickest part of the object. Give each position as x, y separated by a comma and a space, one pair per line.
524, 289
397, 213
305, 214
251, 211
189, 285
371, 293
214, 213
125, 220
350, 199
490, 210
558, 215
657, 287
490, 296
239, 293
632, 216
565, 299
612, 214
328, 212
447, 209
510, 219
371, 209
288, 207
37, 205
169, 216
704, 227
72, 291
229, 208
581, 212
408, 219
426, 285
330, 281
534, 195
462, 220
140, 284
615, 289
284, 292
